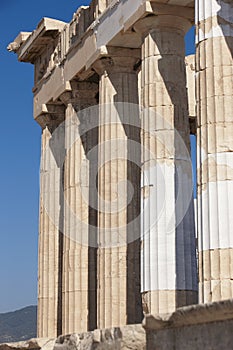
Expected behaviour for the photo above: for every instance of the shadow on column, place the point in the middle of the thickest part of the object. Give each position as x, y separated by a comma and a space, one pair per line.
129, 115
58, 151
89, 137
92, 234
225, 24
171, 66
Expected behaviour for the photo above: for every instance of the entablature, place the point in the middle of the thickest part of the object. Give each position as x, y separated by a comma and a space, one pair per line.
63, 51
35, 43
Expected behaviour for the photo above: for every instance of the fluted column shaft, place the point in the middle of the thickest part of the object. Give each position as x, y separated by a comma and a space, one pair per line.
49, 233
118, 259
168, 240
77, 266
214, 53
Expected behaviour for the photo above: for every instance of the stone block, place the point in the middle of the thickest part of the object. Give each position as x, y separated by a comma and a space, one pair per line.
207, 326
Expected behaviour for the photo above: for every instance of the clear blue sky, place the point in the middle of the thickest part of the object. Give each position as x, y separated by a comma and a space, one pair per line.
20, 151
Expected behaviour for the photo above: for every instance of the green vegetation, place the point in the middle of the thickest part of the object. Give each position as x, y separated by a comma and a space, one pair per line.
18, 325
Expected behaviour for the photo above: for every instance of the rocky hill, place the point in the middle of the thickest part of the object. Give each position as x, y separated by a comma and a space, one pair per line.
18, 325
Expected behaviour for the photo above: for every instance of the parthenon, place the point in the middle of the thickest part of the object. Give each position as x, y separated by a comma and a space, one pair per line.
117, 100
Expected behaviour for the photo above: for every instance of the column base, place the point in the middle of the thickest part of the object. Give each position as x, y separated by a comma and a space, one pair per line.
167, 301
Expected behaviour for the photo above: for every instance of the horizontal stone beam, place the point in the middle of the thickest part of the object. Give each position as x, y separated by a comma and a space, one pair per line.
38, 39
71, 54
205, 326
191, 315
118, 17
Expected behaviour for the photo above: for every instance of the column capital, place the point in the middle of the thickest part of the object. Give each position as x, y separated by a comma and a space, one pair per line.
52, 116
163, 22
118, 60
83, 94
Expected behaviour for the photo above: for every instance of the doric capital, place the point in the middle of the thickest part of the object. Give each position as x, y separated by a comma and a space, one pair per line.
52, 116
83, 94
163, 22
118, 60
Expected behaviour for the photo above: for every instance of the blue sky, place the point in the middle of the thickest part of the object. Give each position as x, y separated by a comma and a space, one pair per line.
20, 152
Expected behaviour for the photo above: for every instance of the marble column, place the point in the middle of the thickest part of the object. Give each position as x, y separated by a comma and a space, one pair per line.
118, 186
51, 214
79, 267
214, 51
169, 278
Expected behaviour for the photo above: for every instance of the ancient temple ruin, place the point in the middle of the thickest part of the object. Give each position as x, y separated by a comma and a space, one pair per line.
117, 100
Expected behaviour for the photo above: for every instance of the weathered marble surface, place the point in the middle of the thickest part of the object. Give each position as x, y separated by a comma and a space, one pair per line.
65, 54
214, 71
205, 326
125, 338
82, 289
